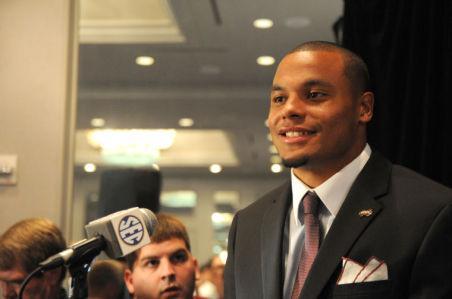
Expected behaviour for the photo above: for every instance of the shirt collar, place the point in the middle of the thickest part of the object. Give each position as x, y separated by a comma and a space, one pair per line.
333, 191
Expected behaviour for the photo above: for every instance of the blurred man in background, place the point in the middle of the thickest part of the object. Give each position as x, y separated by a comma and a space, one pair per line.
106, 280
165, 268
22, 247
211, 282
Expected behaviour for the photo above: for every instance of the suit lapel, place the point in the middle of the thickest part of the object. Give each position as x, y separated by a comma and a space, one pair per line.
272, 232
348, 225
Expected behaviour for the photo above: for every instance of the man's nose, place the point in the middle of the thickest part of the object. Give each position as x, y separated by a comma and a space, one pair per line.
294, 107
167, 270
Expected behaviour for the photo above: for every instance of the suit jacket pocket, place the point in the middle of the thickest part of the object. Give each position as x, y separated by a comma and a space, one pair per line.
364, 290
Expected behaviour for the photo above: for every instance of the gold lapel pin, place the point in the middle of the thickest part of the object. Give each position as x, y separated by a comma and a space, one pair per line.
366, 213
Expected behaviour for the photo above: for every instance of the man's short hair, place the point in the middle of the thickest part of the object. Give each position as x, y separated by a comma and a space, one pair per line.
29, 242
355, 69
168, 227
106, 280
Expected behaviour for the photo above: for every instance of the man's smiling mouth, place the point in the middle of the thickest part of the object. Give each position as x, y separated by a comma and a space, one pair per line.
297, 133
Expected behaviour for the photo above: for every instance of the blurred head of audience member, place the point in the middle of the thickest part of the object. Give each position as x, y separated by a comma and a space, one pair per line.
217, 269
211, 281
106, 280
22, 247
165, 268
204, 285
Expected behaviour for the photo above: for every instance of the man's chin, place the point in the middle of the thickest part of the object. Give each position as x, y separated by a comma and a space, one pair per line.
295, 163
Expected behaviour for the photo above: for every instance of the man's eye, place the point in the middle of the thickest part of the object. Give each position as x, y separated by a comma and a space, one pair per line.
152, 263
278, 99
315, 94
179, 257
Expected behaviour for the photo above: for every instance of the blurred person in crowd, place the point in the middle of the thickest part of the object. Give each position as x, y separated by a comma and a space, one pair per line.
22, 247
217, 269
165, 268
204, 285
106, 280
211, 280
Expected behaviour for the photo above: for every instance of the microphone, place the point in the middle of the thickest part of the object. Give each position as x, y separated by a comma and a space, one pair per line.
117, 234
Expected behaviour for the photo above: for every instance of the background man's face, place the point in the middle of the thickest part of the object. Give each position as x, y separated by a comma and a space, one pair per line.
37, 288
163, 270
314, 117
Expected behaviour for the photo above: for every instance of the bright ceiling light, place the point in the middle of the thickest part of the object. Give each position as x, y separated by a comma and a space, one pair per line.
215, 168
144, 60
221, 220
134, 141
276, 168
89, 167
98, 122
265, 60
186, 122
130, 147
263, 23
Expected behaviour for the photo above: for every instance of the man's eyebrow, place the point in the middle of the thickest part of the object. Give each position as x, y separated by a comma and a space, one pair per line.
276, 87
316, 82
149, 257
180, 250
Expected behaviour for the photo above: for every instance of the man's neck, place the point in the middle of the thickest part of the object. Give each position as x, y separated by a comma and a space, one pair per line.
315, 175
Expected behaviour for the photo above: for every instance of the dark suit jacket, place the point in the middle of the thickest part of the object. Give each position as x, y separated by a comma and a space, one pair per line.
410, 229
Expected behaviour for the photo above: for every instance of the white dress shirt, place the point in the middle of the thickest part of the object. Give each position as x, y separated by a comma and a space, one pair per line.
332, 194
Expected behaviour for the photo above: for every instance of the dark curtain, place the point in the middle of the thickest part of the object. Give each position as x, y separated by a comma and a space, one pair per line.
407, 45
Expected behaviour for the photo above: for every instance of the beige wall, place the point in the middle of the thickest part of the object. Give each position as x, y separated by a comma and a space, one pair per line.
35, 67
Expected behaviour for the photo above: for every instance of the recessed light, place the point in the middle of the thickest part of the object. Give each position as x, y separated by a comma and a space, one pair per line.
276, 168
215, 168
98, 122
265, 60
263, 23
89, 167
145, 60
186, 122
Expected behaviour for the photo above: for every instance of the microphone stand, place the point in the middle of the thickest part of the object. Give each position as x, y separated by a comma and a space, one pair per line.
79, 273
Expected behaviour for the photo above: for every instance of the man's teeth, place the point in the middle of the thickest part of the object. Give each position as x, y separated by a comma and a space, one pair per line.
297, 133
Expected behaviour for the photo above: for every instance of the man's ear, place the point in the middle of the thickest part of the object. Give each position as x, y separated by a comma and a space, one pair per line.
197, 271
128, 279
366, 107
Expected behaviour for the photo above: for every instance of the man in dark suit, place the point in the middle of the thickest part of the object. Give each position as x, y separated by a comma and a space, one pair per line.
380, 230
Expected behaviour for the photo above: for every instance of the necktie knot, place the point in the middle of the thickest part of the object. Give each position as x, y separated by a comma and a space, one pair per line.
310, 203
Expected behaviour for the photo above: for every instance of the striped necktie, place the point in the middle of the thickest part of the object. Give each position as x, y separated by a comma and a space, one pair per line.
311, 240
